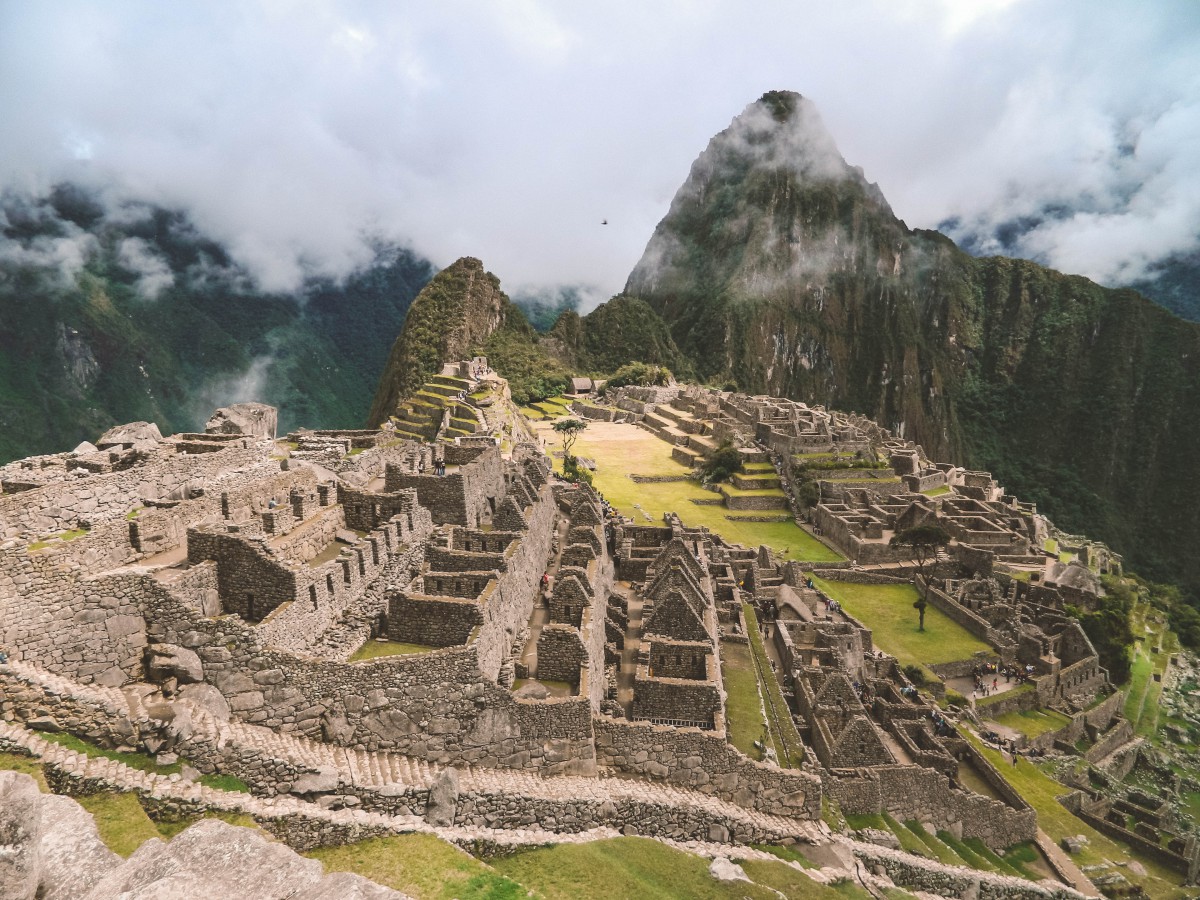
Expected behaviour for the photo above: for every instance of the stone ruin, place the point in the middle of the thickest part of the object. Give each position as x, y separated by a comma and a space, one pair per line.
383, 630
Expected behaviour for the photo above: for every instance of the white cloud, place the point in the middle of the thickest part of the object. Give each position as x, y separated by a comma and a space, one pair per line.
289, 131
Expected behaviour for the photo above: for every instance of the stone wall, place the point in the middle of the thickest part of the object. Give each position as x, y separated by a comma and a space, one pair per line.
60, 506
911, 792
560, 654
434, 621
705, 762
464, 497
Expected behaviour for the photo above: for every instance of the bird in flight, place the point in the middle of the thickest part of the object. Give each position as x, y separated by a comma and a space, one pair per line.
604, 221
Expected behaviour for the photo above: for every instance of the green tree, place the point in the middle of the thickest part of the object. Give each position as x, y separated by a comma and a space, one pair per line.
721, 463
570, 429
922, 543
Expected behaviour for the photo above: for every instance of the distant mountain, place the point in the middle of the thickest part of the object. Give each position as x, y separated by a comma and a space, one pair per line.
781, 268
115, 316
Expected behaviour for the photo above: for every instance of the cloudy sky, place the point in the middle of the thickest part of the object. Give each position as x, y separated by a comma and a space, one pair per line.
292, 131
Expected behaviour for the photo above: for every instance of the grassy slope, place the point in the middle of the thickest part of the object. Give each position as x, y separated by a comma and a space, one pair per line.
888, 611
743, 705
622, 450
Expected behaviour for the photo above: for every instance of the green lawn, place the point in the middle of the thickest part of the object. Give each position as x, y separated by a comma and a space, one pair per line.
887, 609
628, 867
622, 450
15, 762
1033, 722
743, 706
374, 649
421, 866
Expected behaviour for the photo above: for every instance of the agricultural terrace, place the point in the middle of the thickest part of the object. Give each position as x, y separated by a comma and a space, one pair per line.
620, 450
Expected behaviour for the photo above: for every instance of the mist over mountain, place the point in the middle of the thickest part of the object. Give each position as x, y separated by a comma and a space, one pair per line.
783, 269
115, 314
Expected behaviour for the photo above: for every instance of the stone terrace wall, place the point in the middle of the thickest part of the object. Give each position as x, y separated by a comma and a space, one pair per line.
705, 762
436, 705
60, 506
911, 792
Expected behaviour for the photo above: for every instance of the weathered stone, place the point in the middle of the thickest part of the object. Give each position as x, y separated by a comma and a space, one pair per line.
254, 419
443, 799
723, 869
129, 434
44, 723
322, 781
208, 698
74, 857
20, 836
718, 833
171, 661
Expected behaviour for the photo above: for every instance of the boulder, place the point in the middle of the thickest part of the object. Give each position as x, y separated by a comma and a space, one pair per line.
1074, 844
254, 419
210, 859
533, 690
723, 869
348, 886
20, 836
43, 723
133, 433
207, 698
443, 799
322, 781
84, 449
173, 661
74, 857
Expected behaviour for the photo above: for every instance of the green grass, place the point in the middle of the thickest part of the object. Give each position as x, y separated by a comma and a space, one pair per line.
141, 761
937, 491
933, 846
225, 783
133, 513
374, 649
15, 762
743, 706
62, 536
122, 823
421, 866
1033, 722
784, 736
168, 827
629, 867
887, 609
984, 702
1041, 792
622, 450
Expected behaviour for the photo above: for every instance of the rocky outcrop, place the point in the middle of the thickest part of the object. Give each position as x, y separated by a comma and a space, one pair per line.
458, 310
781, 268
129, 435
50, 849
255, 419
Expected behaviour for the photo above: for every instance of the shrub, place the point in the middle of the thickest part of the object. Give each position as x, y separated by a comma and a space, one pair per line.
640, 374
915, 674
721, 463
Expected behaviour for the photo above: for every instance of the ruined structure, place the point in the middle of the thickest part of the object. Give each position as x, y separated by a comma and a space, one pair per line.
383, 633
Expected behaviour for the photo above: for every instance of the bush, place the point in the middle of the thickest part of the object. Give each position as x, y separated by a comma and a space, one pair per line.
722, 463
640, 374
572, 471
915, 674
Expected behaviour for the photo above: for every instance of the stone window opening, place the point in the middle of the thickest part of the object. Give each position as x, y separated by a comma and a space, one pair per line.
312, 595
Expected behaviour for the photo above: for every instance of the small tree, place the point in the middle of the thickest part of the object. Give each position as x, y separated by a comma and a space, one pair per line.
570, 429
722, 463
923, 543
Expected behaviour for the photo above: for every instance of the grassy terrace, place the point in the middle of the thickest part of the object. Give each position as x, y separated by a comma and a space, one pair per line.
743, 704
784, 736
887, 609
1041, 792
375, 649
622, 450
1033, 722
1143, 693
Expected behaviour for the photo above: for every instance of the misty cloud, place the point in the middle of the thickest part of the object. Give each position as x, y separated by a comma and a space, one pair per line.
153, 273
300, 135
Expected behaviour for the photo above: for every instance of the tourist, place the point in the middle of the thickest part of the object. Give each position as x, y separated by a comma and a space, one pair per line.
3, 657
